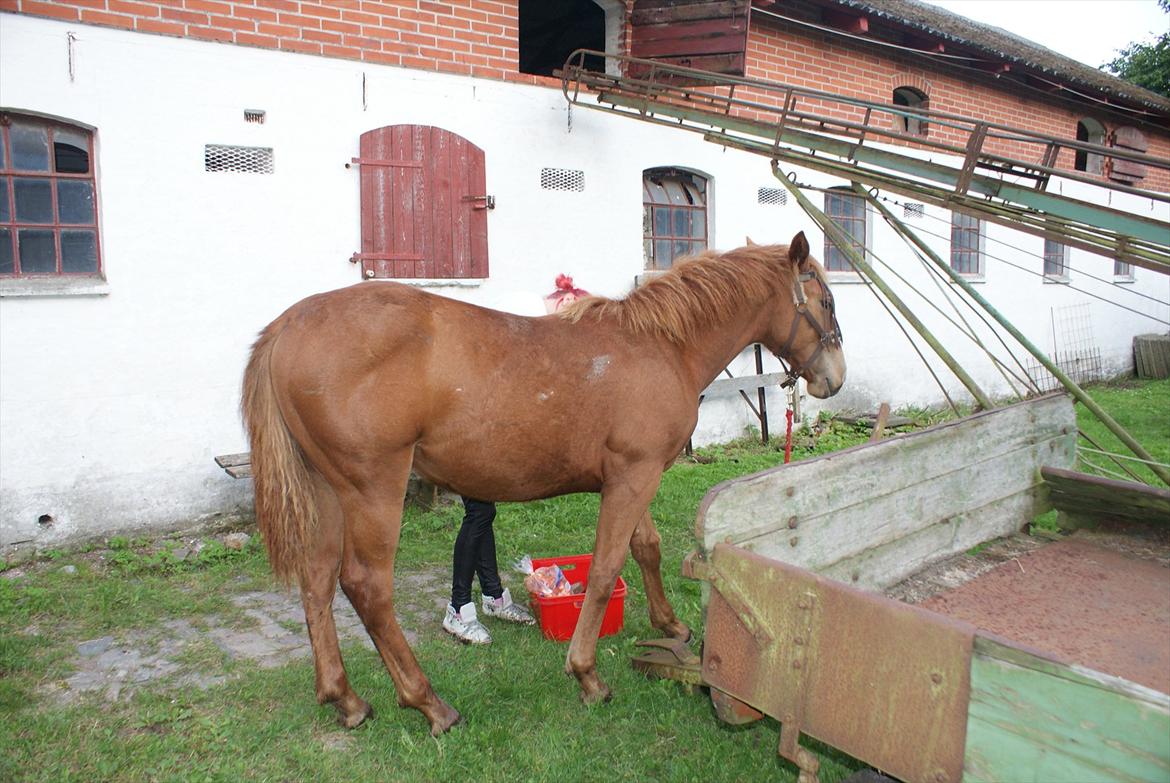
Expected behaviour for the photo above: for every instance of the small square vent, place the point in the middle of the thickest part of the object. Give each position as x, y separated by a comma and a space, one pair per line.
913, 211
562, 179
244, 160
774, 196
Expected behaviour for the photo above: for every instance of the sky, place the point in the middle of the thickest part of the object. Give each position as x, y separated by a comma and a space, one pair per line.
1090, 31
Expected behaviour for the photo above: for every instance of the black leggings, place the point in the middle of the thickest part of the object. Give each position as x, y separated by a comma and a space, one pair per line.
475, 553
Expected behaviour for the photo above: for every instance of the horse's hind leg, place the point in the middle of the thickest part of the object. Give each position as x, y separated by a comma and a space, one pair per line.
373, 520
318, 585
645, 546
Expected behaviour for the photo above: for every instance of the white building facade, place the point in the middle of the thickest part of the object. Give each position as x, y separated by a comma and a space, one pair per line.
117, 390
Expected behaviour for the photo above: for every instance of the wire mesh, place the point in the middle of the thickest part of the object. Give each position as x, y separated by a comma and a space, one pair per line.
562, 179
1075, 351
244, 160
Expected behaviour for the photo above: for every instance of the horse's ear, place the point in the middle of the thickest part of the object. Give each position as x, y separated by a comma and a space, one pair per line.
750, 243
798, 250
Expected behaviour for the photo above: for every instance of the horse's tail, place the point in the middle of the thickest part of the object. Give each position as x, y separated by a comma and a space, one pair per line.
286, 510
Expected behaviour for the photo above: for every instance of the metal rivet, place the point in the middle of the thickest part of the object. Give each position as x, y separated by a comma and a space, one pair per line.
940, 776
794, 541
855, 576
790, 491
798, 641
796, 664
936, 678
792, 523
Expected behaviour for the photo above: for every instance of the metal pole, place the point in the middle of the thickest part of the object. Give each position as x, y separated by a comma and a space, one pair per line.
762, 396
846, 246
1059, 374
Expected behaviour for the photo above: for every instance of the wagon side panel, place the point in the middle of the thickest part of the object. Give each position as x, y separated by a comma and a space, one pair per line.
1060, 722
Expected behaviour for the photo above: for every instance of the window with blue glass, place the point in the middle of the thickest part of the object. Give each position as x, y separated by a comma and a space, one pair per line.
48, 198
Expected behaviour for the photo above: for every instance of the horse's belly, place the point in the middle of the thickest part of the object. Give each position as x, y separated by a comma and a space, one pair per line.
504, 474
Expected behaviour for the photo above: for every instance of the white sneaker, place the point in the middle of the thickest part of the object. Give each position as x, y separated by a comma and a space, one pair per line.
504, 609
465, 626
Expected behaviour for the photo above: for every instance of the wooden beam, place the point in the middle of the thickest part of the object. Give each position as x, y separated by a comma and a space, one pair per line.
846, 22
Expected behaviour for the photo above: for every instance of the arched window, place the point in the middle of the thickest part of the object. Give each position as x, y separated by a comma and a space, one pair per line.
48, 199
912, 99
1093, 132
674, 215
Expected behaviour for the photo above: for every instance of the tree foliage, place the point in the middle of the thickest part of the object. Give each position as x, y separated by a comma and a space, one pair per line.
1146, 64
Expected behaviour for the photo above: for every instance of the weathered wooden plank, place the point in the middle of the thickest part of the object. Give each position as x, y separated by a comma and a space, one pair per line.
746, 383
1035, 719
896, 534
845, 504
1081, 493
240, 471
665, 14
231, 460
881, 567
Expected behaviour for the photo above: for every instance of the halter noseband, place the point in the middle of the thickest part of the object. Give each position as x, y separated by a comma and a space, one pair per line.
826, 337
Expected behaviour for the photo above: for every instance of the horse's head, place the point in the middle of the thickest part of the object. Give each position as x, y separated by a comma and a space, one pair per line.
804, 333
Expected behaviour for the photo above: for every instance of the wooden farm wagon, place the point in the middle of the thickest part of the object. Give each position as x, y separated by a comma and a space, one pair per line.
794, 560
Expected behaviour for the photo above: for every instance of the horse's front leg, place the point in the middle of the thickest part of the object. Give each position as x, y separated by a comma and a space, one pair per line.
625, 496
645, 546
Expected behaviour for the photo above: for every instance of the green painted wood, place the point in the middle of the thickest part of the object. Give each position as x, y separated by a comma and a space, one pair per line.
1033, 720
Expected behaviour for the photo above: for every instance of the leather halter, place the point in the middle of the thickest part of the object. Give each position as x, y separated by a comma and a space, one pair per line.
826, 337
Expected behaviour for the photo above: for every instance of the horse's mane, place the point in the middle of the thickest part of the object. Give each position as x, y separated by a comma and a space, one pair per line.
698, 292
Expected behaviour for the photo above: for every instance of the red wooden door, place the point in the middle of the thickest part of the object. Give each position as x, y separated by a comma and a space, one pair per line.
424, 204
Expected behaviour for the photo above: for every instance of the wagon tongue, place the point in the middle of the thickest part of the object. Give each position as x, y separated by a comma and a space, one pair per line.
669, 659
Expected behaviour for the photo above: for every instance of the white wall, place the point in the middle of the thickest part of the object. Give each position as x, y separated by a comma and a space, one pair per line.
113, 404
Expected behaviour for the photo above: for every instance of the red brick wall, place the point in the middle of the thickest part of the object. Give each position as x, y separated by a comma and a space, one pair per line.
808, 58
474, 37
481, 38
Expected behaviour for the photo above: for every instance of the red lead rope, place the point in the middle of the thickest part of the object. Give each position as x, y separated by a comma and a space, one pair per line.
788, 437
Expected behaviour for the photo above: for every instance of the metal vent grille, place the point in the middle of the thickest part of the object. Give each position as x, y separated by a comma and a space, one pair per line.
245, 160
772, 196
255, 115
562, 179
913, 211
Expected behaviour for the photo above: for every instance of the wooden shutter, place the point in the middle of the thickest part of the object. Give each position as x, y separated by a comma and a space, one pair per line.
711, 36
424, 204
1129, 139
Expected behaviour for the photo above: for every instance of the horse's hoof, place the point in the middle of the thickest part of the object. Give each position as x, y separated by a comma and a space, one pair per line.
681, 632
599, 693
448, 717
352, 718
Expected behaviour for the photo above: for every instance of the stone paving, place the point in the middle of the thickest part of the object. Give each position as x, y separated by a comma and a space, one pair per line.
179, 652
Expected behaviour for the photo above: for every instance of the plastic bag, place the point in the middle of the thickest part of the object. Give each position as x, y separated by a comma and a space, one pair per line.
546, 581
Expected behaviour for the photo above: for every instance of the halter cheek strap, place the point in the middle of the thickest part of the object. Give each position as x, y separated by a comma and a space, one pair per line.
825, 337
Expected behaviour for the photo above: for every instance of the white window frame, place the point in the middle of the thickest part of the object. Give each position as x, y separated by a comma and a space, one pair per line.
851, 274
1065, 273
981, 258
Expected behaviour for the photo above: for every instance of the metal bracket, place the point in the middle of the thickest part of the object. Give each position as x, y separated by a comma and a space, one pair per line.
489, 202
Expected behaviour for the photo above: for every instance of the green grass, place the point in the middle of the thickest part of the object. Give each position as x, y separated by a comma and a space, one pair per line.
523, 720
1142, 408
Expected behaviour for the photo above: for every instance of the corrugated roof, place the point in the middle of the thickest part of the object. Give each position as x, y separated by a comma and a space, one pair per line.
1008, 46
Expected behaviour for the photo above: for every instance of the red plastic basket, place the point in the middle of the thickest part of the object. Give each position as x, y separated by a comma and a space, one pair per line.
558, 614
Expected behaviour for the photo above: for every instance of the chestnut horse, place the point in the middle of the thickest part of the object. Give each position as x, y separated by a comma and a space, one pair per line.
347, 390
